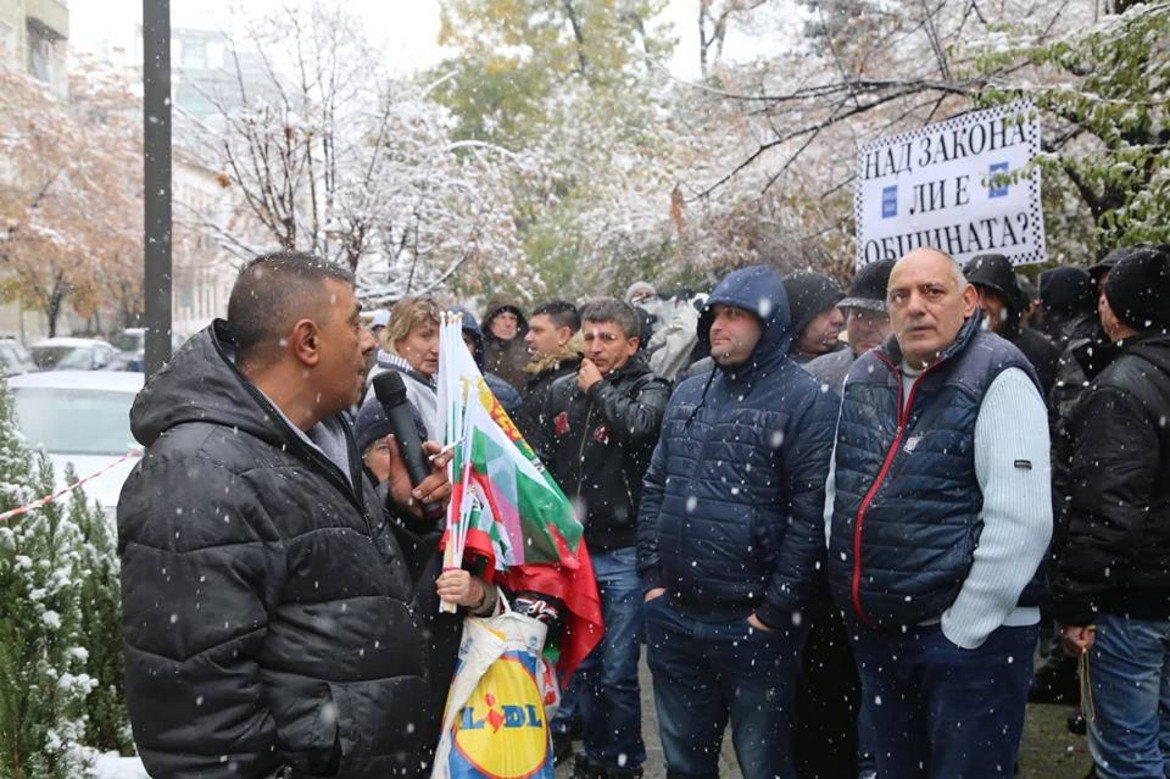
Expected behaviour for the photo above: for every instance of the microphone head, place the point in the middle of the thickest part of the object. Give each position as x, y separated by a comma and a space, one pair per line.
389, 389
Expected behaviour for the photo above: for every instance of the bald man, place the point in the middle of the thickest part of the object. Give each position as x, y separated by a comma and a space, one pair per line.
939, 517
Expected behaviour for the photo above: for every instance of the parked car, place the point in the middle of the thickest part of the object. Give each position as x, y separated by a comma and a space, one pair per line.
131, 342
81, 417
85, 354
14, 358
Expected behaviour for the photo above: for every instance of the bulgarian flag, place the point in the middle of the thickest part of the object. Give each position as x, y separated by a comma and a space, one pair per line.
505, 506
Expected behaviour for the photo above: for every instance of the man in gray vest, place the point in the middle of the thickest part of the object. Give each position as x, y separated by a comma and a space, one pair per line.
940, 516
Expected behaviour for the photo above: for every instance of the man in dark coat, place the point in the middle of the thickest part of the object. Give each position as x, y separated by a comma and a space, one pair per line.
867, 324
554, 350
1068, 298
816, 320
600, 428
940, 516
829, 698
473, 338
1068, 302
1003, 303
1112, 589
266, 602
503, 327
730, 536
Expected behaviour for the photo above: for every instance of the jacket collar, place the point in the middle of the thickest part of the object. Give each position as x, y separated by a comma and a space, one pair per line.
891, 351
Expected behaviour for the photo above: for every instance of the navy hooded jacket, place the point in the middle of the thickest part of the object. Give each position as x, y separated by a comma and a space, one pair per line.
731, 515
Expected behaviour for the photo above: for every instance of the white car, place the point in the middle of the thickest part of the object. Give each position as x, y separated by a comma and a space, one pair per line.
59, 354
81, 417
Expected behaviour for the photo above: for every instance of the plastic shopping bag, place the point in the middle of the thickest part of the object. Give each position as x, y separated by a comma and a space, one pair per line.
502, 697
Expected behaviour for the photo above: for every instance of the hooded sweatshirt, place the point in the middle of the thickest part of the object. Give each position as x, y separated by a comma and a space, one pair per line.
730, 519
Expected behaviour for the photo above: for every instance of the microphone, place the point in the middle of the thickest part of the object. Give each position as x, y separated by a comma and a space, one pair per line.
391, 394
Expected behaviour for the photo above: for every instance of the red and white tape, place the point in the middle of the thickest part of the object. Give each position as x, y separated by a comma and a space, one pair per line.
36, 504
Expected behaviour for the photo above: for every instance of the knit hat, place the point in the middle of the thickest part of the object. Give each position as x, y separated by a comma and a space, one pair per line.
995, 272
1067, 291
370, 425
1112, 258
1138, 288
809, 294
868, 289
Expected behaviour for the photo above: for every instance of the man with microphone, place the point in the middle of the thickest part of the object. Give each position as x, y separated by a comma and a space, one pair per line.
266, 600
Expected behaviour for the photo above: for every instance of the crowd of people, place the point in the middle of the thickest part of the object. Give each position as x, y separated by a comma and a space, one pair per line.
839, 521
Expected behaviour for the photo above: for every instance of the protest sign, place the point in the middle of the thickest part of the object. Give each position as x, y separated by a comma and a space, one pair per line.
960, 186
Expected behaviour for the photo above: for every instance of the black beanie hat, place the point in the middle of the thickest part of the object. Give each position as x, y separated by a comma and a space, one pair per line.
1109, 260
370, 425
809, 293
1067, 292
868, 289
1138, 288
995, 272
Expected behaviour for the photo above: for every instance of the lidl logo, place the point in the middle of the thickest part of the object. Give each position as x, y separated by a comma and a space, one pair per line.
502, 732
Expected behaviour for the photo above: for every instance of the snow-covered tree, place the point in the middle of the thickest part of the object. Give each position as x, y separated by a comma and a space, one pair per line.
43, 684
1099, 80
60, 628
70, 194
328, 154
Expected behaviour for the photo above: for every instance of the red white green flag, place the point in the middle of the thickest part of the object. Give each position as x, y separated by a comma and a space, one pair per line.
505, 506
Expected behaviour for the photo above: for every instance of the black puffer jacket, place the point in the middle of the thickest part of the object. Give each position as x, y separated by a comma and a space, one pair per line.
266, 604
597, 445
1114, 559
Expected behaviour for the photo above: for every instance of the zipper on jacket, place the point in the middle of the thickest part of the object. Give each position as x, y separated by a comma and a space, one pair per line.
903, 420
581, 449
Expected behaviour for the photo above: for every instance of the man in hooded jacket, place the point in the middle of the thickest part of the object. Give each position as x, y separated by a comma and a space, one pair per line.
267, 605
730, 541
473, 337
504, 326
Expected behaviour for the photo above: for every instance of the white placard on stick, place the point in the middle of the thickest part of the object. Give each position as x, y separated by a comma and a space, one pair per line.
959, 186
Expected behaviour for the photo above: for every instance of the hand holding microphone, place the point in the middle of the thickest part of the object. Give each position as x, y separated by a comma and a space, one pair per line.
425, 481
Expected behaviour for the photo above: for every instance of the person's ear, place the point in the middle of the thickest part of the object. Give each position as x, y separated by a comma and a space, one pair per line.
305, 342
632, 346
564, 335
970, 300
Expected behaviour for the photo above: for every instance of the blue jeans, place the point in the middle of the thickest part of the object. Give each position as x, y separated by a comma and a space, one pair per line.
562, 723
705, 672
1129, 672
941, 711
606, 682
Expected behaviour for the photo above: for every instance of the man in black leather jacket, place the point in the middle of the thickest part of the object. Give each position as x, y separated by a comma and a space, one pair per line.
1112, 589
598, 431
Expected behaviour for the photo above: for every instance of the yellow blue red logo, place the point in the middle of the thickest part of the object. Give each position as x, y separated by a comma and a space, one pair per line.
502, 732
